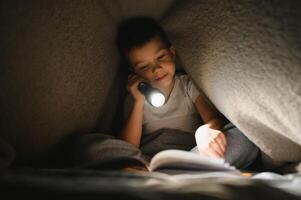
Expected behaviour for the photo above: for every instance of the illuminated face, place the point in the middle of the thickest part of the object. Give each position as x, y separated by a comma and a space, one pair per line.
155, 63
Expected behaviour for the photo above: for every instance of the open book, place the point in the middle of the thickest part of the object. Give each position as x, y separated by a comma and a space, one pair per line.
173, 159
164, 161
114, 154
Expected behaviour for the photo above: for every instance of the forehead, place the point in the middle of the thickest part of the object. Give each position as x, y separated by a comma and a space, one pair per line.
147, 51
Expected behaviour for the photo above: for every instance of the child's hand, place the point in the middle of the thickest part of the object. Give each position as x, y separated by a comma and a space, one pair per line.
216, 148
132, 87
211, 142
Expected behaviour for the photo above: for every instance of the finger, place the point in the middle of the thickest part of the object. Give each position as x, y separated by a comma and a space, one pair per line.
212, 153
216, 148
220, 143
137, 79
134, 80
224, 139
220, 140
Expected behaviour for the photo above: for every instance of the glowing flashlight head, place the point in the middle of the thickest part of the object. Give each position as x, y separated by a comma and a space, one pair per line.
154, 96
157, 99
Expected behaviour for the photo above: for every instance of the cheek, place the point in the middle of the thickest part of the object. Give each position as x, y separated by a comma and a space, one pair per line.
169, 66
148, 76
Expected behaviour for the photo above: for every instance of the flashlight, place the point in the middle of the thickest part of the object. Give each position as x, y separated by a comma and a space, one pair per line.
153, 95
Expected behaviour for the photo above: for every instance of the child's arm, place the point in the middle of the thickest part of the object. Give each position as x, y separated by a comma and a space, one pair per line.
132, 128
211, 117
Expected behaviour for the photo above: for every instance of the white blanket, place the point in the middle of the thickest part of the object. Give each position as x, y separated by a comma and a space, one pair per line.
246, 58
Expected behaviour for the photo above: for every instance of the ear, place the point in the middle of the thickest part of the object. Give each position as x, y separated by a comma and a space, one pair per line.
173, 51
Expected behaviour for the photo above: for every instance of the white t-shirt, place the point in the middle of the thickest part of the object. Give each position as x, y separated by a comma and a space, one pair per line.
179, 112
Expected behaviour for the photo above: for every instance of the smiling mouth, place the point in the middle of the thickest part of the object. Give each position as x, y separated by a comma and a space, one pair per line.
162, 77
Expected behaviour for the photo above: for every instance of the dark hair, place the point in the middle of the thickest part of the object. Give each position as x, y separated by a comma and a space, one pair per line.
136, 32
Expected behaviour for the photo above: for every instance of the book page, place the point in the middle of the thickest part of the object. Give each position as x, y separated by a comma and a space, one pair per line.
179, 159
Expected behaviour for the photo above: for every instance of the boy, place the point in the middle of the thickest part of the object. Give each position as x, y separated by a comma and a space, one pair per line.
145, 47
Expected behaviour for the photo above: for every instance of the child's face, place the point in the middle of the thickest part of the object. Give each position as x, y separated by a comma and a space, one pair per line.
154, 62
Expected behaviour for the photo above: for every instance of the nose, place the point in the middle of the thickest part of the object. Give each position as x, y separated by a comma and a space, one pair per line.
156, 67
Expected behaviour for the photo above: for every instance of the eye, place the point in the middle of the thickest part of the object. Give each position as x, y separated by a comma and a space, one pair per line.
142, 68
163, 56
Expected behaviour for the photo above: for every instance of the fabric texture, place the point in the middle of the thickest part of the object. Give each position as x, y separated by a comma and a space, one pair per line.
103, 151
240, 152
178, 112
136, 185
245, 56
166, 138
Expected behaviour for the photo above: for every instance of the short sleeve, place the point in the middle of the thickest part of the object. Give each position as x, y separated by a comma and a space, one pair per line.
191, 89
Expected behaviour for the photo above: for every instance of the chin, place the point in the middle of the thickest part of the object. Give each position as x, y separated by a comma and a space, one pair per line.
164, 84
